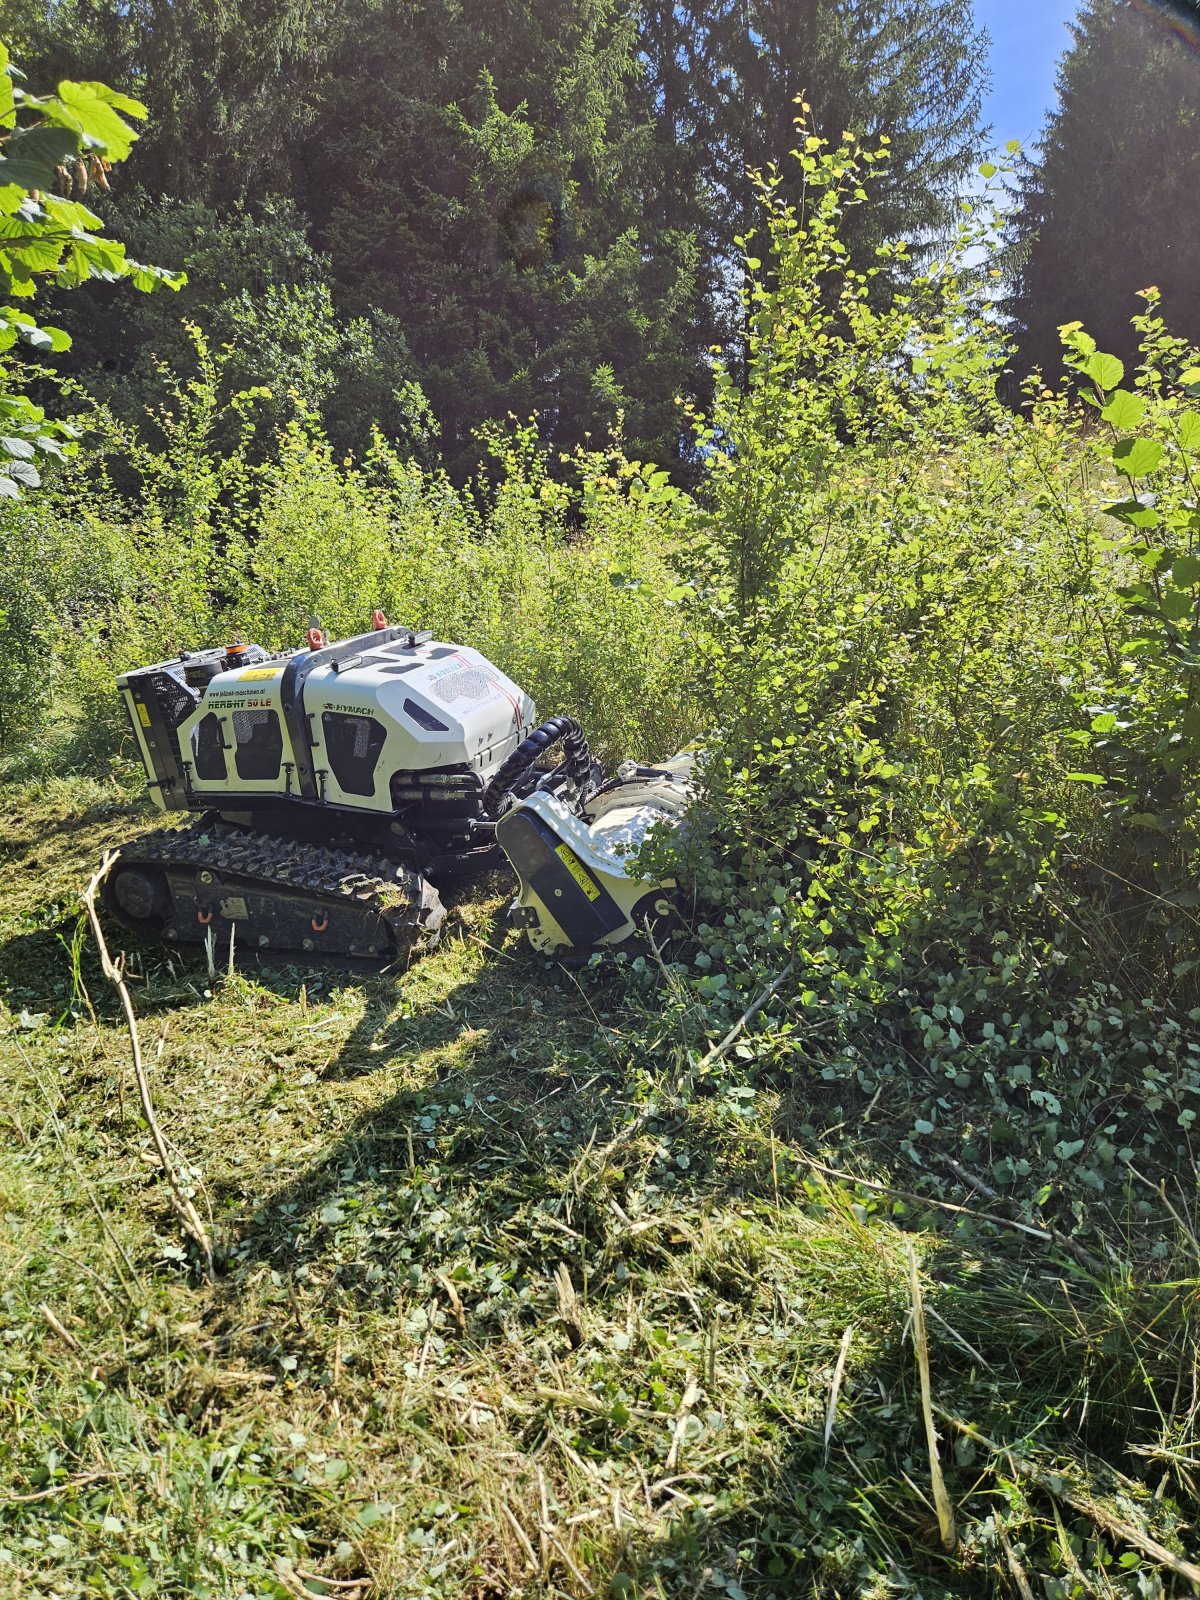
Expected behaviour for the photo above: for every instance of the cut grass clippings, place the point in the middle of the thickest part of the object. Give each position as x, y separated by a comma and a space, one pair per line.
498, 1310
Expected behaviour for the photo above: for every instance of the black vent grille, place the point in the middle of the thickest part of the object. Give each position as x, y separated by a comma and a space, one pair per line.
259, 745
175, 700
353, 745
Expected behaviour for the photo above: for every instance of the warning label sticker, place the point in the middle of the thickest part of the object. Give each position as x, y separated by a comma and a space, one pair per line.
577, 870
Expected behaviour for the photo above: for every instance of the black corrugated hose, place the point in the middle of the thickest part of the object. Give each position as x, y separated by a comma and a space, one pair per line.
577, 759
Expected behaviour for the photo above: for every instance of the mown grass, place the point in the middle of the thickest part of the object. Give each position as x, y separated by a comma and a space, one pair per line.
499, 1308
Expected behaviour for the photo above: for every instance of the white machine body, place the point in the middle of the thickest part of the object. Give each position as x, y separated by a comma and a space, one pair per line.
373, 721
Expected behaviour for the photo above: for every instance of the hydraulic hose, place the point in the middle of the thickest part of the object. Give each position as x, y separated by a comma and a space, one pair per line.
577, 759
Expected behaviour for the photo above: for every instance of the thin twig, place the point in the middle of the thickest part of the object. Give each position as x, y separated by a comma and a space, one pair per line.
65, 1334
456, 1304
54, 1489
578, 1576
751, 1011
185, 1210
1047, 1235
1016, 1570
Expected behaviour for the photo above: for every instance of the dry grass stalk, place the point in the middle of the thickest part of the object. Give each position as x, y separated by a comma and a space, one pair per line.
690, 1395
456, 1305
543, 1521
941, 1499
835, 1387
522, 1536
186, 1211
568, 1305
1016, 1570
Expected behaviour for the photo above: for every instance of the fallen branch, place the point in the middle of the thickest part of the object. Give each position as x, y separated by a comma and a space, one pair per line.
1058, 1488
114, 972
1047, 1235
751, 1011
55, 1489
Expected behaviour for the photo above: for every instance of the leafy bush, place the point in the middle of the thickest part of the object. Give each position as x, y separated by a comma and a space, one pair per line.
913, 614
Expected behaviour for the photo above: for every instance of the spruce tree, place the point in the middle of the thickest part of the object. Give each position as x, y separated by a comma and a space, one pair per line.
1109, 207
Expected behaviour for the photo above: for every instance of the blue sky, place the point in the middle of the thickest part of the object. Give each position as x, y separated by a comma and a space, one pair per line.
1028, 36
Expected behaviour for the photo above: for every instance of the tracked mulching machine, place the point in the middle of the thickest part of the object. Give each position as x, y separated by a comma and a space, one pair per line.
340, 785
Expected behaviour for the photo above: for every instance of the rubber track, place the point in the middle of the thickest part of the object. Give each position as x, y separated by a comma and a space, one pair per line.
407, 904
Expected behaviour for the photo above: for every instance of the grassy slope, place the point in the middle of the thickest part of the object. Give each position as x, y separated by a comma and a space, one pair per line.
380, 1387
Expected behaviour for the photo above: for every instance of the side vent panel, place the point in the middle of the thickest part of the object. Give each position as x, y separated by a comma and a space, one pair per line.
259, 745
208, 749
353, 745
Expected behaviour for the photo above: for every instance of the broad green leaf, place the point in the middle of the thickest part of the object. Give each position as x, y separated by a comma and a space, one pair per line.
38, 255
78, 106
1177, 603
1104, 371
1124, 409
28, 174
8, 489
1073, 336
8, 114
1191, 378
69, 213
1134, 513
37, 338
119, 101
987, 170
1084, 777
1185, 571
147, 278
19, 448
1189, 430
25, 472
1137, 457
50, 146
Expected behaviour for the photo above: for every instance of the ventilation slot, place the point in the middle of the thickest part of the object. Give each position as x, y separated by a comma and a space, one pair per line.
424, 719
259, 745
352, 746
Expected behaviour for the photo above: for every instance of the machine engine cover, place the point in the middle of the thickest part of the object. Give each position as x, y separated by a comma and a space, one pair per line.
577, 886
